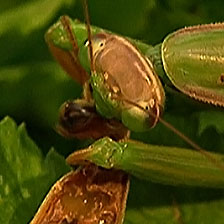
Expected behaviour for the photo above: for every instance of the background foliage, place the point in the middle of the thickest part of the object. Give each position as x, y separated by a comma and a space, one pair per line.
32, 88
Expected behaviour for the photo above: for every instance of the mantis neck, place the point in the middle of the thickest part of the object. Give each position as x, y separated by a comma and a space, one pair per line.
154, 55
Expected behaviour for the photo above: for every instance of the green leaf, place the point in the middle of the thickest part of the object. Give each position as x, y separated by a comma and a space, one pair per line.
25, 175
128, 12
32, 15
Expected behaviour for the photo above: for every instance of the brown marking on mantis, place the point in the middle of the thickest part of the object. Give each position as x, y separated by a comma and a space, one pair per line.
68, 59
176, 211
90, 47
203, 95
128, 73
200, 28
220, 80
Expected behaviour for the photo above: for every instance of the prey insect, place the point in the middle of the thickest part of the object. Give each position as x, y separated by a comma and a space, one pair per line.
125, 87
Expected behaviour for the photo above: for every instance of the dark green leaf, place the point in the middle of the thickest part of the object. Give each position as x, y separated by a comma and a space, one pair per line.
25, 175
29, 16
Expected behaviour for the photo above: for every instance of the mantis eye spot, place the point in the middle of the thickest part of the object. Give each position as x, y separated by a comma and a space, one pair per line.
147, 107
221, 79
86, 42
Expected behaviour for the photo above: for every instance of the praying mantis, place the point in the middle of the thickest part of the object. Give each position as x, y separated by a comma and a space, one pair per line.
186, 167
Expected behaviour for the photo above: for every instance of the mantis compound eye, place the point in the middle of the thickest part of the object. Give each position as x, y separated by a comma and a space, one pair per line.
72, 115
99, 42
73, 118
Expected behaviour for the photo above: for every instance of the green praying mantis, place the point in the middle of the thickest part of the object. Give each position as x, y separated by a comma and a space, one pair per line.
122, 92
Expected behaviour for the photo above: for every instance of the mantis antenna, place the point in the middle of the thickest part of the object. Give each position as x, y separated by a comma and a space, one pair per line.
86, 13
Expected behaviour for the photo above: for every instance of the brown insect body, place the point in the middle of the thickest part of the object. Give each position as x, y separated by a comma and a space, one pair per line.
79, 119
127, 73
90, 195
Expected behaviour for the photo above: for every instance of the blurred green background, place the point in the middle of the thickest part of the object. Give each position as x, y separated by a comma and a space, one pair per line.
33, 86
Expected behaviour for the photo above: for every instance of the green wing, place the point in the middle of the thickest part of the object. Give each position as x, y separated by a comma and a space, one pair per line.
193, 59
